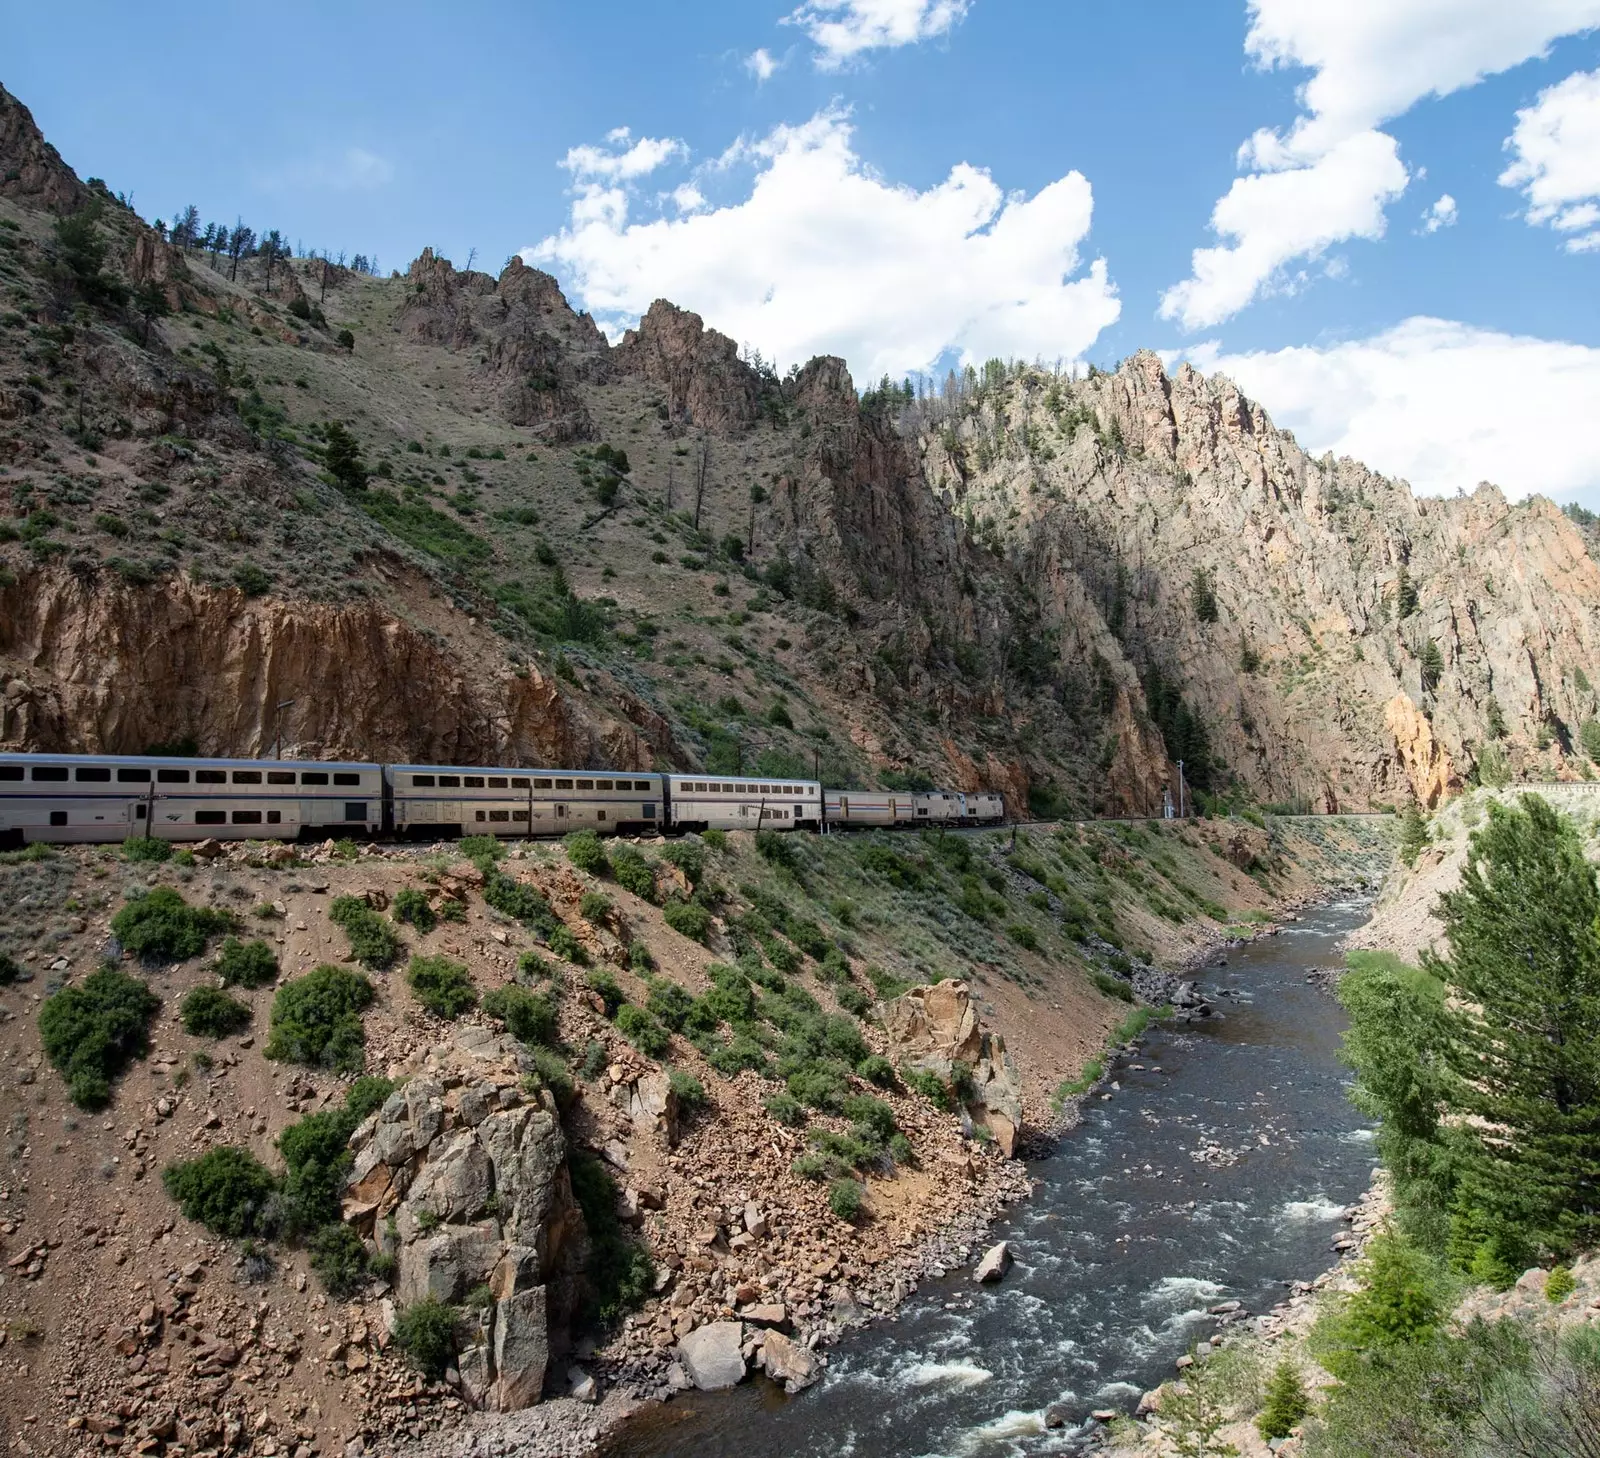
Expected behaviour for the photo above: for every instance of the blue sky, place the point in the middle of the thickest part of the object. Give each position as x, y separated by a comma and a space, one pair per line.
906, 182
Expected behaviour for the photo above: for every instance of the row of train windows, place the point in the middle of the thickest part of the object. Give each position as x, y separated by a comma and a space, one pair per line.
207, 817
726, 789
101, 775
520, 782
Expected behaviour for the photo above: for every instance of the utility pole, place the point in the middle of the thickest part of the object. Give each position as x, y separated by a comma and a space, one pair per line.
700, 479
1180, 789
669, 485
277, 724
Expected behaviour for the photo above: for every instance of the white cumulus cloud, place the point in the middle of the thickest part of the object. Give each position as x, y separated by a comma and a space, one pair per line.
1441, 214
1441, 404
637, 160
843, 29
760, 64
1556, 144
1370, 60
825, 257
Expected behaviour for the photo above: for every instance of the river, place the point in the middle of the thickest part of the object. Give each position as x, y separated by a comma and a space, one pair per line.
1217, 1170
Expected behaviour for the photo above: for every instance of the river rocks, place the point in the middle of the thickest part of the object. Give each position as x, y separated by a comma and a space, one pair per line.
474, 1180
713, 1355
788, 1362
936, 1028
994, 1265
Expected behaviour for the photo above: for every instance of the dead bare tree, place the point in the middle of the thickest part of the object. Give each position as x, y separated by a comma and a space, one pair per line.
700, 478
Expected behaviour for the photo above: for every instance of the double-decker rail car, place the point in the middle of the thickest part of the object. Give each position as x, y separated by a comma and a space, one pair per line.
442, 799
698, 802
70, 797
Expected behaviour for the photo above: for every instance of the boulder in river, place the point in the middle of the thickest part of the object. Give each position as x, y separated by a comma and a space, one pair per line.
786, 1361
713, 1355
995, 1263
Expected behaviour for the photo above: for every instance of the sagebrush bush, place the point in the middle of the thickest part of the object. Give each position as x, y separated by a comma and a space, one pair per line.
688, 920
553, 1072
90, 1032
442, 986
146, 848
585, 851
691, 1093
716, 840
594, 907
642, 1030
246, 964
161, 925
226, 1189
526, 1015
786, 1109
411, 905
853, 1000
565, 945
208, 1012
670, 1003
316, 1019
373, 942
1112, 986
930, 1086
844, 1198
426, 1332
339, 1257
515, 899
619, 1270
875, 1068
631, 871
481, 847
10, 969
610, 991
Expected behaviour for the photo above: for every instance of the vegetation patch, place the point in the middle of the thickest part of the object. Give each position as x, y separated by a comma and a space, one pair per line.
442, 986
246, 964
373, 941
91, 1031
227, 1189
208, 1012
161, 926
316, 1019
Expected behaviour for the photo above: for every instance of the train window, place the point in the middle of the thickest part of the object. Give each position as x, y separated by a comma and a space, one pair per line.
601, 814
603, 785
521, 782
274, 817
519, 814
49, 771
641, 784
422, 782
247, 817
450, 782
497, 782
14, 772
480, 815
210, 817
211, 777
583, 784
138, 812
247, 777
649, 810
499, 815
346, 779
93, 774
172, 777
314, 777
563, 784
355, 809
58, 817
472, 782
133, 777
280, 777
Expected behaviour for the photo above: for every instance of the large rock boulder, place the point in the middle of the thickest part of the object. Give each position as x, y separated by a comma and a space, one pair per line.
713, 1355
936, 1030
785, 1360
474, 1177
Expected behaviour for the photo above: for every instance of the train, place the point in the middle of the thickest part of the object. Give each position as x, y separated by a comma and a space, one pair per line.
66, 798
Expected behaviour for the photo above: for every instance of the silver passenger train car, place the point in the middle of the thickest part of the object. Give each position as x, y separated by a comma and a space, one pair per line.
442, 799
862, 809
740, 802
75, 797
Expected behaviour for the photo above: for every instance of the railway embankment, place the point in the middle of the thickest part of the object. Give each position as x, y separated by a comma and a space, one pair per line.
745, 1129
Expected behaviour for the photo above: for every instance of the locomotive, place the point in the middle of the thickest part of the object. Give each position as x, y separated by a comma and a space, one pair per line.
64, 798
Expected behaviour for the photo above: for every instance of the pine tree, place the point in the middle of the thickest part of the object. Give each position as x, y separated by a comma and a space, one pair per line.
341, 454
1405, 594
1204, 596
1523, 1022
1287, 1403
1432, 665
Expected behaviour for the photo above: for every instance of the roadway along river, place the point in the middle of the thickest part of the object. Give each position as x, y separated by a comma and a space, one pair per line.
1217, 1171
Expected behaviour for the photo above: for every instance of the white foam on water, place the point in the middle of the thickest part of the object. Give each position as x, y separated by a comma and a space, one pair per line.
1112, 1391
953, 1374
1006, 1428
1183, 1288
1359, 1136
1314, 1209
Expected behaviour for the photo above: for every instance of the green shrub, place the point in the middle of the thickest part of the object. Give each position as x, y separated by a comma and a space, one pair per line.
90, 1032
690, 1091
875, 1068
1023, 935
594, 907
160, 925
512, 898
619, 1273
426, 1332
716, 840
688, 920
526, 1015
844, 1198
782, 956
146, 848
900, 1149
817, 1087
1287, 1403
887, 985
246, 964
339, 1257
373, 942
670, 1003
870, 1115
632, 872
565, 944
208, 1012
411, 905
316, 1157
585, 851
481, 847
316, 1019
441, 986
226, 1189
642, 1030
10, 969
930, 1086
611, 993
553, 1072
366, 1095
1560, 1284
741, 1052
639, 958
776, 848
1111, 986
853, 1000
786, 1109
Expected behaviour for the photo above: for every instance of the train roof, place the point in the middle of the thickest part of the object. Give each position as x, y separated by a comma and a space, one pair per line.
748, 775
520, 769
15, 756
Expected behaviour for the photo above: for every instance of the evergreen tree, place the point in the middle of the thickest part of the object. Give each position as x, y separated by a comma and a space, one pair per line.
1494, 719
1432, 665
1287, 1403
341, 454
1523, 1028
150, 303
1405, 593
80, 259
1204, 596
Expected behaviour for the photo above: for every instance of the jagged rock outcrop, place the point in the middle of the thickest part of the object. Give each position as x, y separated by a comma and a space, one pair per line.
936, 1030
463, 1179
31, 170
102, 665
698, 369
